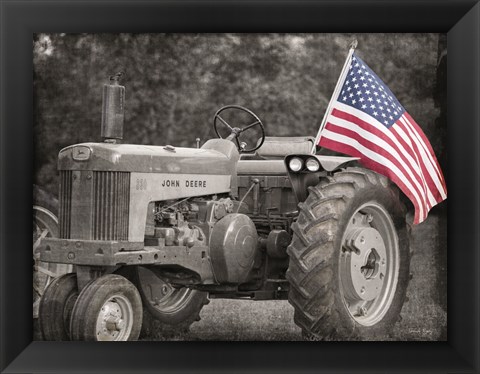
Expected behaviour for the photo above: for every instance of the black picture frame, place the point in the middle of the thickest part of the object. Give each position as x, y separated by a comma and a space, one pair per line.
20, 19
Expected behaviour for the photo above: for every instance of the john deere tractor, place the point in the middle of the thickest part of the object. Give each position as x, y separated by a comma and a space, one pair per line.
153, 232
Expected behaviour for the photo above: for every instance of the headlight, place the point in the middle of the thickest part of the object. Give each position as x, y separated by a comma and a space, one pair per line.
313, 164
295, 164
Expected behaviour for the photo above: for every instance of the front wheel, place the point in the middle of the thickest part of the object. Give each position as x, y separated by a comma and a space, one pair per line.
349, 258
107, 309
56, 307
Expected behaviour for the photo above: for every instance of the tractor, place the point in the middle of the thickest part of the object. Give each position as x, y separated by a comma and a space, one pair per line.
154, 232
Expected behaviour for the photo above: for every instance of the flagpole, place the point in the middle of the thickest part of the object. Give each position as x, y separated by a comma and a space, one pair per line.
339, 85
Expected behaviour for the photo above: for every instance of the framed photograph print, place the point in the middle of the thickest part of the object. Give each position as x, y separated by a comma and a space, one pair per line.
240, 186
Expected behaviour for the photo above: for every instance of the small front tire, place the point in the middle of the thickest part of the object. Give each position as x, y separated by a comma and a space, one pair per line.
107, 309
56, 307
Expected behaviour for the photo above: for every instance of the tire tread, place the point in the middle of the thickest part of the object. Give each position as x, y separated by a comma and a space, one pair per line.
311, 252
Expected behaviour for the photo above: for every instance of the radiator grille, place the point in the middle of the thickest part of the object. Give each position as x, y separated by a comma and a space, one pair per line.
65, 203
103, 205
111, 205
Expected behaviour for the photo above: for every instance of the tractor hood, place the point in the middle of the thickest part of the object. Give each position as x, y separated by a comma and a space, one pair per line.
150, 159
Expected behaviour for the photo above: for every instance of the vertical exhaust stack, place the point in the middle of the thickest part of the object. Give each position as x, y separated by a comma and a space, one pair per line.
113, 110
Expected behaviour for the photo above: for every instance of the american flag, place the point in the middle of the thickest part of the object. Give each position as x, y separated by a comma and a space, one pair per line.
366, 120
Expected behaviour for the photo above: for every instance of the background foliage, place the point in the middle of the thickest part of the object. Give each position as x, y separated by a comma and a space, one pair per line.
176, 82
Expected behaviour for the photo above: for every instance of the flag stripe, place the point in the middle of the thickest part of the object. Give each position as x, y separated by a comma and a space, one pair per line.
431, 156
421, 149
419, 132
427, 162
404, 137
394, 171
404, 147
379, 146
387, 131
428, 146
384, 138
349, 149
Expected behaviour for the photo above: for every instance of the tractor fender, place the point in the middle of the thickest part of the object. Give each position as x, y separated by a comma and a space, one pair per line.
332, 163
303, 179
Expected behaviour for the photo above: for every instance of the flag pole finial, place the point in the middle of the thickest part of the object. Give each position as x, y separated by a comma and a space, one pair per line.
353, 44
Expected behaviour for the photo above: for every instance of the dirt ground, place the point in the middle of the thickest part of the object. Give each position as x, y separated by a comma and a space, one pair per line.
424, 315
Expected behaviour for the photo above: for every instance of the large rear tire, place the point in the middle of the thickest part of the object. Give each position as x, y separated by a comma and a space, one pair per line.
168, 311
349, 258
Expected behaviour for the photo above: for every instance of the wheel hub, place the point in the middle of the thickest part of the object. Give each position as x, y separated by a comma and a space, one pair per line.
112, 321
369, 263
366, 255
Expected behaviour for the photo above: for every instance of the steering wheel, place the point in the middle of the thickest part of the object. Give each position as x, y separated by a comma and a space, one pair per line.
236, 131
